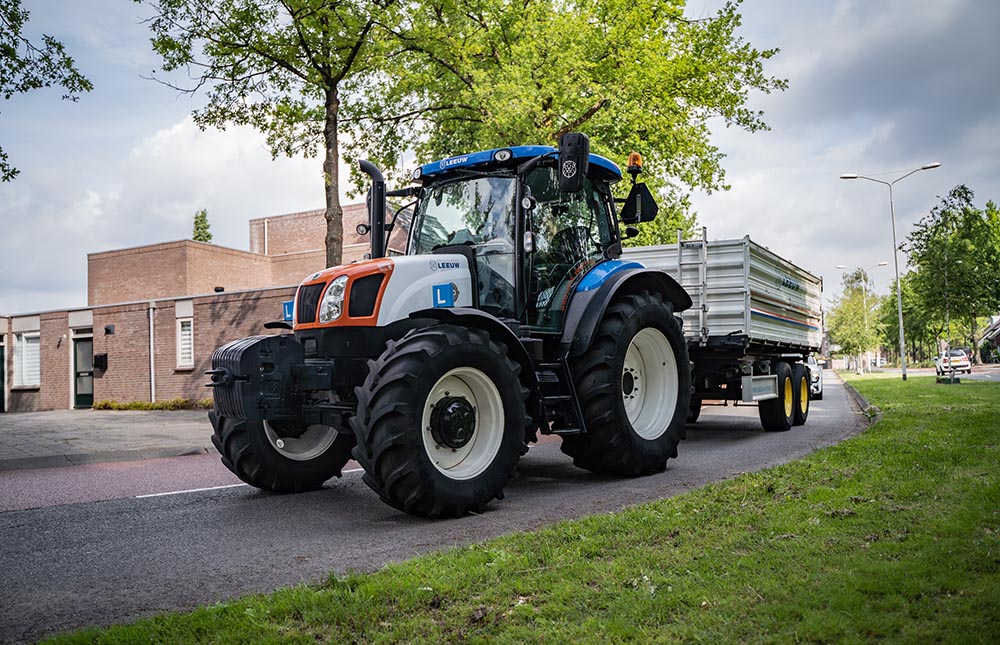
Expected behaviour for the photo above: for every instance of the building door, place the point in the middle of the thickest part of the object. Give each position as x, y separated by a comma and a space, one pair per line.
3, 371
83, 371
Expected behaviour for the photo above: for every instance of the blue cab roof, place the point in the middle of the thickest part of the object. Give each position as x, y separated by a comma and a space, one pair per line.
518, 153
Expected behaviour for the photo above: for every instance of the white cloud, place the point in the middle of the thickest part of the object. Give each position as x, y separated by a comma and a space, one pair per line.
149, 196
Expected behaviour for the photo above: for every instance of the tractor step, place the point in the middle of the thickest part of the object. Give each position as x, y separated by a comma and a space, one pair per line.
567, 432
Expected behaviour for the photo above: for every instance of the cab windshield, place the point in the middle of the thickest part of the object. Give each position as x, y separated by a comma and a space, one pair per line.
477, 213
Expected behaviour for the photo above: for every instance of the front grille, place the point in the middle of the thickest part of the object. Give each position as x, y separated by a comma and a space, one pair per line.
308, 303
364, 293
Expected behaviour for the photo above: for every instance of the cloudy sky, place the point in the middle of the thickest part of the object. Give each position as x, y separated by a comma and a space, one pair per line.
875, 88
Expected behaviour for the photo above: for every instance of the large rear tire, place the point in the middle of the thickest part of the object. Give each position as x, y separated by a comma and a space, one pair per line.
777, 415
634, 385
800, 382
262, 456
441, 421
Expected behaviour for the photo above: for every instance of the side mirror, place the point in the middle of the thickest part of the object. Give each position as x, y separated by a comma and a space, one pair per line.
639, 205
574, 161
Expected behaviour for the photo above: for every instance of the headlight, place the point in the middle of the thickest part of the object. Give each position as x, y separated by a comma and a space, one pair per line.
332, 304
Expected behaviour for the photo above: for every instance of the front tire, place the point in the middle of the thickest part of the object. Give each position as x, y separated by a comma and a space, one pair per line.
634, 386
441, 421
263, 457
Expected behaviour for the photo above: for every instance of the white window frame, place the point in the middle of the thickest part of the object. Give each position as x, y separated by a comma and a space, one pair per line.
185, 362
20, 358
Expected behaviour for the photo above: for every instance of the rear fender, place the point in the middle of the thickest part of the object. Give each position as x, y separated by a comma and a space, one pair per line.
586, 308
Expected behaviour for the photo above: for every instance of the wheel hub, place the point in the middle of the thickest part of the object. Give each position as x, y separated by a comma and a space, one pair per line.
453, 422
628, 382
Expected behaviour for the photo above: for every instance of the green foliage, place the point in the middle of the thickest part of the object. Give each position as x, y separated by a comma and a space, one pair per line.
24, 66
201, 231
854, 322
278, 66
172, 404
955, 250
633, 75
893, 535
921, 325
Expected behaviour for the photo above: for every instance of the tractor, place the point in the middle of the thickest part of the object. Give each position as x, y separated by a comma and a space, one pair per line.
511, 315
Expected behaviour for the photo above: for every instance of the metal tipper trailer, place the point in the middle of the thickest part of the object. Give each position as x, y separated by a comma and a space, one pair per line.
755, 319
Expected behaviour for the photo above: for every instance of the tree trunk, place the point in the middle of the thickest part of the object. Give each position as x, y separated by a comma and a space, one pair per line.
331, 169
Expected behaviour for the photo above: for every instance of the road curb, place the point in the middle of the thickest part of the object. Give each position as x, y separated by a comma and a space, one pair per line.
108, 456
868, 412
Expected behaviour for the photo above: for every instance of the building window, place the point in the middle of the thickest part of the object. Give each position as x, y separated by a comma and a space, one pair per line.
27, 363
185, 343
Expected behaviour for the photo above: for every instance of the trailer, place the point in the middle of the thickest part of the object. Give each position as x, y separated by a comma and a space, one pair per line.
755, 319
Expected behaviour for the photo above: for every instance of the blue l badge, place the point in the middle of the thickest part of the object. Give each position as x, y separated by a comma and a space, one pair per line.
444, 295
286, 310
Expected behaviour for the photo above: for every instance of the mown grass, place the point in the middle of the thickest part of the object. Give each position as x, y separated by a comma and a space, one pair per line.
893, 535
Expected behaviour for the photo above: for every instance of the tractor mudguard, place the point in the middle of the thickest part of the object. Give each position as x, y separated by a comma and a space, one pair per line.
467, 317
586, 308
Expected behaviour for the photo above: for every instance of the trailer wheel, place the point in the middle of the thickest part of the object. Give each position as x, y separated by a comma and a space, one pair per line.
634, 386
800, 381
261, 456
441, 421
777, 415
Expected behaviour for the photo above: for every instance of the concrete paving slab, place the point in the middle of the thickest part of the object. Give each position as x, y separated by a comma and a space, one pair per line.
73, 437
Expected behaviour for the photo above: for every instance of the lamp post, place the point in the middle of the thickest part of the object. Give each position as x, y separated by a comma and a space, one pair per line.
895, 249
864, 303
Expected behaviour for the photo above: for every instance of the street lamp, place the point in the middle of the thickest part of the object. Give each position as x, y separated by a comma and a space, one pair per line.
864, 303
895, 250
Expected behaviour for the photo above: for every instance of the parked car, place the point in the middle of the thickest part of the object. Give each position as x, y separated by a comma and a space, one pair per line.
952, 360
815, 378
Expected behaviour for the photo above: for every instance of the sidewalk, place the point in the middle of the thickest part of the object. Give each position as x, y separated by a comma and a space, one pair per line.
74, 437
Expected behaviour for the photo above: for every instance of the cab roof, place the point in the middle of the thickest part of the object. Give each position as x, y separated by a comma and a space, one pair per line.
518, 154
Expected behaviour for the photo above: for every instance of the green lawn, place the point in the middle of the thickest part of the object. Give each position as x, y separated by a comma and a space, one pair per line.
893, 535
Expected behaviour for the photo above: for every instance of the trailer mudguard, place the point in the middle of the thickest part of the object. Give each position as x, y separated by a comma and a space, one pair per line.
586, 308
467, 317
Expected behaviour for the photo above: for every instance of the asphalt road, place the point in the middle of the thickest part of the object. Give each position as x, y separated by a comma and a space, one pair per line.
87, 563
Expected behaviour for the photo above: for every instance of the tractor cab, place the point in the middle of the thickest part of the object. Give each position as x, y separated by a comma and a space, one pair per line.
528, 239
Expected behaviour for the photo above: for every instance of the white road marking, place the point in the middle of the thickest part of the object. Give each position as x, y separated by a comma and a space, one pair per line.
193, 490
201, 490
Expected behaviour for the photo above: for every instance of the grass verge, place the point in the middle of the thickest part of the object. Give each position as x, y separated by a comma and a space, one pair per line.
893, 535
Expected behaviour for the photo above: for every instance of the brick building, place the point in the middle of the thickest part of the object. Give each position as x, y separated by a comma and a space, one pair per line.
150, 337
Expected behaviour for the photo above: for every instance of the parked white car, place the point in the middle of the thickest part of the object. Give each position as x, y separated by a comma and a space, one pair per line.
815, 378
952, 360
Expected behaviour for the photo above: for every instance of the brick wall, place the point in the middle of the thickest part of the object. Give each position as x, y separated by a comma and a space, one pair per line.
210, 266
293, 268
127, 376
171, 270
126, 275
55, 352
293, 233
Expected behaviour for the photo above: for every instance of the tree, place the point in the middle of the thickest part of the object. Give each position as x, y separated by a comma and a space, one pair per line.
279, 66
201, 231
956, 252
853, 321
633, 75
24, 66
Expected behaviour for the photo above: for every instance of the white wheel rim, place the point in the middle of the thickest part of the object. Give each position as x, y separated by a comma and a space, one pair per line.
310, 444
475, 456
649, 383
